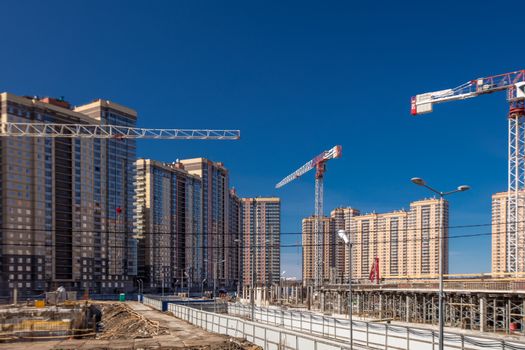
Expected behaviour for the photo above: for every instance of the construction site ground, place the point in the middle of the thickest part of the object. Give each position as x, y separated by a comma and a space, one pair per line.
182, 335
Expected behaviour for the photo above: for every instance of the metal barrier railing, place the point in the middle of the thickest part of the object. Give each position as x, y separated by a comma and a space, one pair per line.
369, 334
268, 337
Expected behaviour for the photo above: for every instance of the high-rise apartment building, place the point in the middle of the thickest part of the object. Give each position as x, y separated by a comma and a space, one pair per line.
382, 236
168, 226
261, 232
309, 247
500, 246
235, 229
422, 257
342, 220
66, 204
405, 242
113, 174
218, 243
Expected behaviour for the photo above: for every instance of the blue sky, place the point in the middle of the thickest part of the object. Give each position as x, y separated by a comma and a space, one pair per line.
296, 77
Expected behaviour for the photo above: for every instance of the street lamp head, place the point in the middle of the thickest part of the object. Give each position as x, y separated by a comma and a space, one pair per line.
343, 236
463, 188
418, 181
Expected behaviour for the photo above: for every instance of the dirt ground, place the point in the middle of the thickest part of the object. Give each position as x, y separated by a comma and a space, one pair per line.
182, 335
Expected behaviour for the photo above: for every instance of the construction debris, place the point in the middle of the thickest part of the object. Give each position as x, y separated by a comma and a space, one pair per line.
119, 321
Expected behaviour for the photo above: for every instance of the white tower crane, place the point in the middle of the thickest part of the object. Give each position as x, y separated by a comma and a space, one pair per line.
514, 84
319, 163
112, 132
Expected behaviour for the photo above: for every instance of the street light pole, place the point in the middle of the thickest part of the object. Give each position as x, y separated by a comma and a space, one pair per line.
252, 268
420, 182
238, 241
214, 265
348, 240
281, 291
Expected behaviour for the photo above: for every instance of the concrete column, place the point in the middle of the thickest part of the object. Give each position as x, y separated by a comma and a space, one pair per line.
322, 301
380, 305
407, 308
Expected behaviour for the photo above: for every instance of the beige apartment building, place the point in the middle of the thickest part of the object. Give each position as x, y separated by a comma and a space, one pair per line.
309, 247
499, 234
261, 239
405, 242
168, 226
66, 204
382, 236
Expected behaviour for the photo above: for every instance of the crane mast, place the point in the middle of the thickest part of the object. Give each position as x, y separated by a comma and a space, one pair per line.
514, 85
319, 163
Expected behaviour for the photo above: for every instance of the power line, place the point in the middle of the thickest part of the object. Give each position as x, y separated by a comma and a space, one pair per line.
244, 233
236, 246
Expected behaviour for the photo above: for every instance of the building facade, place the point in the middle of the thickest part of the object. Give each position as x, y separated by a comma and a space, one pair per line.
67, 222
382, 236
218, 243
405, 243
168, 226
309, 247
342, 220
113, 195
261, 239
235, 229
500, 246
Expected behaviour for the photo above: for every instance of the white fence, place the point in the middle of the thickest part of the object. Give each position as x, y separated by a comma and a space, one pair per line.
266, 336
369, 334
154, 303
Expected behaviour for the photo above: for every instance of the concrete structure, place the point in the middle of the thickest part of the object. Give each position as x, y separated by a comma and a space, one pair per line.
483, 304
66, 204
500, 229
261, 232
218, 243
308, 238
168, 226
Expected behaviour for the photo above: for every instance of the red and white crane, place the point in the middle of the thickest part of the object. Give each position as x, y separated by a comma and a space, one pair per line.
319, 163
514, 85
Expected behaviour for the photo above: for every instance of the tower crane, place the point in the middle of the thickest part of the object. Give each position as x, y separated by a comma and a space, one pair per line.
112, 132
319, 163
514, 85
